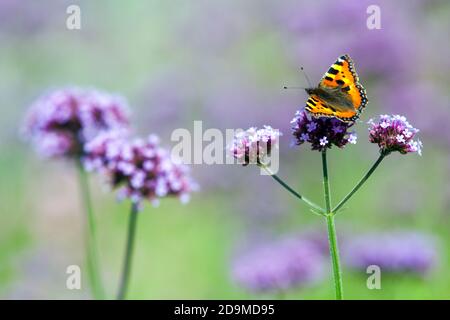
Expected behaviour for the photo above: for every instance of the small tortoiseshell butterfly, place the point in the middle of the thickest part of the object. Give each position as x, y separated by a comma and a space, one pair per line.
339, 93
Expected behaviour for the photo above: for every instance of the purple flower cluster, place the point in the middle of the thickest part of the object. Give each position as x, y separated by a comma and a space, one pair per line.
141, 168
322, 133
394, 133
285, 264
61, 122
392, 252
253, 145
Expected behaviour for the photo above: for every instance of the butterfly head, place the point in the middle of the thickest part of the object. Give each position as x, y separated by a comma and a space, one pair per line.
310, 91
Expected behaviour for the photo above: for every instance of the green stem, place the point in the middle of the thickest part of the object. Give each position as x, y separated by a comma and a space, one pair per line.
332, 239
90, 236
326, 182
360, 183
334, 252
128, 253
315, 207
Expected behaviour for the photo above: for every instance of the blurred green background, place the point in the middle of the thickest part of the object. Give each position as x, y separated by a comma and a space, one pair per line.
222, 62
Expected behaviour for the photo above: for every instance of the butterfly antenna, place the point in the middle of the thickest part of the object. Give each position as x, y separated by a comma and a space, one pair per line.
285, 87
306, 77
307, 80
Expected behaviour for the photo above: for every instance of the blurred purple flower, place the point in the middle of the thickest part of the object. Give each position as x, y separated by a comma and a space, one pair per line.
141, 168
253, 145
322, 133
286, 264
318, 238
342, 25
394, 133
392, 252
61, 122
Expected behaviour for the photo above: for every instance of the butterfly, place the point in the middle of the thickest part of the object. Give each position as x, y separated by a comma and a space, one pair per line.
339, 93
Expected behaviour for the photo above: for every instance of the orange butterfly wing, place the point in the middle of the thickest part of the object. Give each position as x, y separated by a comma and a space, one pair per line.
318, 107
342, 73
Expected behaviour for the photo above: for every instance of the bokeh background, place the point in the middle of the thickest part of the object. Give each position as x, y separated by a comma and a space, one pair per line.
225, 63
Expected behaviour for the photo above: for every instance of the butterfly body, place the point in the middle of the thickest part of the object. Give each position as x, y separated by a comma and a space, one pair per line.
334, 97
339, 93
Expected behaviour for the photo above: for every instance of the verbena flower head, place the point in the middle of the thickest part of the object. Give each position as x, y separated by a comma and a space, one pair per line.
279, 266
61, 122
140, 168
322, 133
392, 252
253, 145
394, 133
